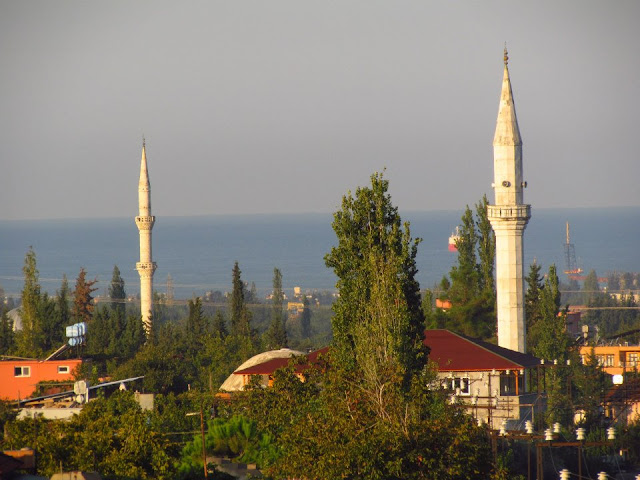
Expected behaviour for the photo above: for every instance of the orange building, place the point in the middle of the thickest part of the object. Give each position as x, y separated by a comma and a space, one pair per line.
18, 378
614, 359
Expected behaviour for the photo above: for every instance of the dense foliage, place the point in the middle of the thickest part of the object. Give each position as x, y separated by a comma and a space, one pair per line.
367, 411
471, 288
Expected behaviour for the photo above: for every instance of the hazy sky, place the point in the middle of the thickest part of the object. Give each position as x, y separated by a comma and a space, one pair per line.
282, 106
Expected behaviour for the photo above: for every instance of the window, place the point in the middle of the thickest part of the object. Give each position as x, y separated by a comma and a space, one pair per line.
632, 358
63, 369
460, 385
608, 361
463, 384
600, 359
21, 371
508, 384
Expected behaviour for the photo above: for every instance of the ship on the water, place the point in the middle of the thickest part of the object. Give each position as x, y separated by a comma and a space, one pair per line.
453, 238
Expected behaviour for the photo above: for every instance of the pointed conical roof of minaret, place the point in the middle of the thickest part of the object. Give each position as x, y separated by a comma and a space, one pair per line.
144, 174
507, 131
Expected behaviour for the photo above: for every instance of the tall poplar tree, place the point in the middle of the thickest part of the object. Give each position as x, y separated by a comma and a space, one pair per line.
371, 414
378, 324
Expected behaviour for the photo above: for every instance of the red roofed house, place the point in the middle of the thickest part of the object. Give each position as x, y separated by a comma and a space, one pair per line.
493, 382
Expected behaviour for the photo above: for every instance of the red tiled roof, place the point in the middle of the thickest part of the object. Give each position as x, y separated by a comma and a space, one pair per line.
270, 366
454, 352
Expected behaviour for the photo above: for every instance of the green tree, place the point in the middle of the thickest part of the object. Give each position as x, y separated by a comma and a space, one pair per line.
220, 324
465, 279
82, 299
240, 314
63, 309
305, 318
133, 336
117, 314
486, 247
51, 324
549, 340
591, 288
374, 262
7, 337
117, 293
197, 322
276, 335
29, 339
532, 299
471, 290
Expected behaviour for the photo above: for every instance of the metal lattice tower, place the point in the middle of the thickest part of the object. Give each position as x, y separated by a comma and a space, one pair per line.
570, 264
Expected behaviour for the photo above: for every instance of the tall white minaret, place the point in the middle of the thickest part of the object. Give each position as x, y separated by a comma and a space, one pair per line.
146, 266
509, 217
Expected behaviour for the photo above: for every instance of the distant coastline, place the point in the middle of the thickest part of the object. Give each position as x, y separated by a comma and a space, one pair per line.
198, 251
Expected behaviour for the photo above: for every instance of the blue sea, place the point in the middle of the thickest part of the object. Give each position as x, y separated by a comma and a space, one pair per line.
199, 252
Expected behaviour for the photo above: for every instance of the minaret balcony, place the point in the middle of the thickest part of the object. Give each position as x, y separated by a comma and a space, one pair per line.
145, 222
148, 267
509, 212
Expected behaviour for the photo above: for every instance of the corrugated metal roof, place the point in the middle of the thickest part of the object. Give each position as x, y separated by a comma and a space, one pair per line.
454, 352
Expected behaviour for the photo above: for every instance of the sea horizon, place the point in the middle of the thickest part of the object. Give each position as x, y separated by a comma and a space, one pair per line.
198, 251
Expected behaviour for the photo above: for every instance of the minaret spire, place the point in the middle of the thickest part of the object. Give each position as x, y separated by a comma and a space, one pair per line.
146, 266
509, 217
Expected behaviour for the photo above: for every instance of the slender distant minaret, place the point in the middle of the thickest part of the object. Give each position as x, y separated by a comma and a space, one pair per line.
146, 266
509, 217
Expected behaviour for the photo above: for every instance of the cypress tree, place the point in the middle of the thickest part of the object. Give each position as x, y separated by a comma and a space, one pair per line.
63, 302
240, 315
117, 293
82, 299
305, 318
276, 336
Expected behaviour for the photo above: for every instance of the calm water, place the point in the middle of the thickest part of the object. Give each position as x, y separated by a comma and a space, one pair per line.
198, 252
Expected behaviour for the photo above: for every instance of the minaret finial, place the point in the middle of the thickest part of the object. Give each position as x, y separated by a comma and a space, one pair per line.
506, 55
143, 141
